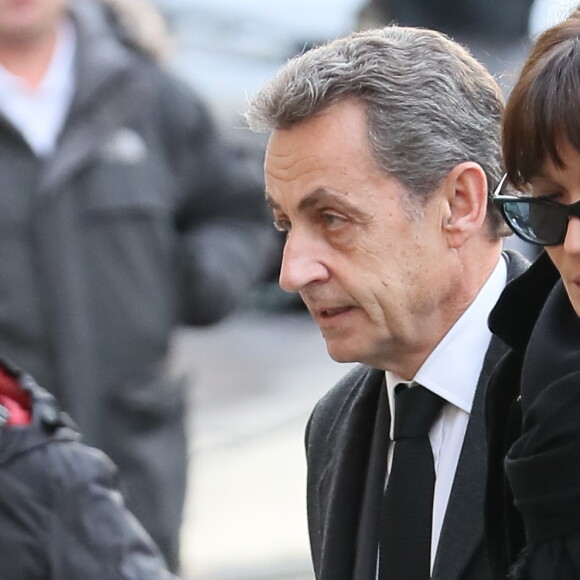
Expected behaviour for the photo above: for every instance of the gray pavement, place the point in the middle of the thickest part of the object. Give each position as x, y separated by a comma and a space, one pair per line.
255, 378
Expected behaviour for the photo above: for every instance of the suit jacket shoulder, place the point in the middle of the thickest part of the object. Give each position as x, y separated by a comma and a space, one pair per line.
338, 439
336, 404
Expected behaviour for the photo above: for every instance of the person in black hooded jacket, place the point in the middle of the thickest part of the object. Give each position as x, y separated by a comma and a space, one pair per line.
62, 516
533, 398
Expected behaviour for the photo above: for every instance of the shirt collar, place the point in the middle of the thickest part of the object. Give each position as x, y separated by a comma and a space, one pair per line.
60, 73
452, 369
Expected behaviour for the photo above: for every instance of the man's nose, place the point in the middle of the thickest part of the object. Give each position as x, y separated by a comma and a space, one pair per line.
301, 263
572, 239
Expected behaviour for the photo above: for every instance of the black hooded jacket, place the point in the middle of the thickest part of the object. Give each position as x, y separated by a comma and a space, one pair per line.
532, 414
62, 516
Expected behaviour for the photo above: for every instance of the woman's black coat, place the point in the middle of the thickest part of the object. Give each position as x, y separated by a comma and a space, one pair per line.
533, 422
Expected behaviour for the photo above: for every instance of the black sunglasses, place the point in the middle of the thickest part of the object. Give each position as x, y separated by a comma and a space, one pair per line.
536, 220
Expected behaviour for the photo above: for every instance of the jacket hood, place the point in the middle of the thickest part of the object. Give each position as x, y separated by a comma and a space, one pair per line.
102, 58
47, 421
15, 404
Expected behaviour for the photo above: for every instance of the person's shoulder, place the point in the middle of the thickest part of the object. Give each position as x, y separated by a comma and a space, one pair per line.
73, 466
169, 87
177, 109
30, 417
48, 447
339, 400
56, 461
341, 393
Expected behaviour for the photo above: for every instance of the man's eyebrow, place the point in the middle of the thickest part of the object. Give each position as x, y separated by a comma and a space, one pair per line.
306, 202
318, 196
272, 204
321, 195
315, 197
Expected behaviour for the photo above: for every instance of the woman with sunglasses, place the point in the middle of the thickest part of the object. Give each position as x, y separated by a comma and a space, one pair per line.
533, 399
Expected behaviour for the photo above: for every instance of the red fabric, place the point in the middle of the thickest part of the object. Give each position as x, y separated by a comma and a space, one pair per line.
14, 399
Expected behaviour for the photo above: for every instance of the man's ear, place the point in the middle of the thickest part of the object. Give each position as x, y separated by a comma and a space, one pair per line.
465, 188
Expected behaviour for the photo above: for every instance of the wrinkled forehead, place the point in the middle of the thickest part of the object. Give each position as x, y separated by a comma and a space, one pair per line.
330, 147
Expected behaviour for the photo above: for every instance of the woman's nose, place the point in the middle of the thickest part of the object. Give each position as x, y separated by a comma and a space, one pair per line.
572, 239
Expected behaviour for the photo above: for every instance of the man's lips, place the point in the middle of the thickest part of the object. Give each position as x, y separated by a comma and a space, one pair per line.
326, 313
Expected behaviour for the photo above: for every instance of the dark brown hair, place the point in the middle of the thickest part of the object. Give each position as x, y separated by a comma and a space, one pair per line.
544, 105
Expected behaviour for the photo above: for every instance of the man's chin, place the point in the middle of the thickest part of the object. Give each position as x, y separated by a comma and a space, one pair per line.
341, 355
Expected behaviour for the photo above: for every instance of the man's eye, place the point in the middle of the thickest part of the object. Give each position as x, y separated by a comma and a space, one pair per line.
332, 220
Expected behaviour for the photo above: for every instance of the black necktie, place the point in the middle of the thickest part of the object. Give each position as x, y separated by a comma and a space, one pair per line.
406, 517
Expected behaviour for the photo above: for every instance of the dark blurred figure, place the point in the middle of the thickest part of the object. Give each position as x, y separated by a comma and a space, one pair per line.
532, 400
123, 214
495, 31
61, 514
494, 19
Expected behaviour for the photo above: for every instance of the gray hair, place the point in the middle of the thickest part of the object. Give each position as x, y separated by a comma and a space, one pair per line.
430, 105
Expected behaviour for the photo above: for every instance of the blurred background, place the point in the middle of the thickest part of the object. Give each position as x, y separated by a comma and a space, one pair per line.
230, 48
246, 515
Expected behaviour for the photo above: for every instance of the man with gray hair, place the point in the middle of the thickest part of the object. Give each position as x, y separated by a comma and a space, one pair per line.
383, 154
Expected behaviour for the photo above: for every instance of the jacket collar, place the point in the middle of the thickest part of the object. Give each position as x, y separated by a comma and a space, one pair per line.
518, 308
101, 56
340, 481
47, 419
111, 89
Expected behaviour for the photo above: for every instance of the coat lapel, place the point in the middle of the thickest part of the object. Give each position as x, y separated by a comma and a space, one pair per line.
343, 480
463, 525
82, 141
369, 525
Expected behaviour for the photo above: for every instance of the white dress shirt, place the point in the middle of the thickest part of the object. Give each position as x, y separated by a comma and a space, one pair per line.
452, 371
39, 112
